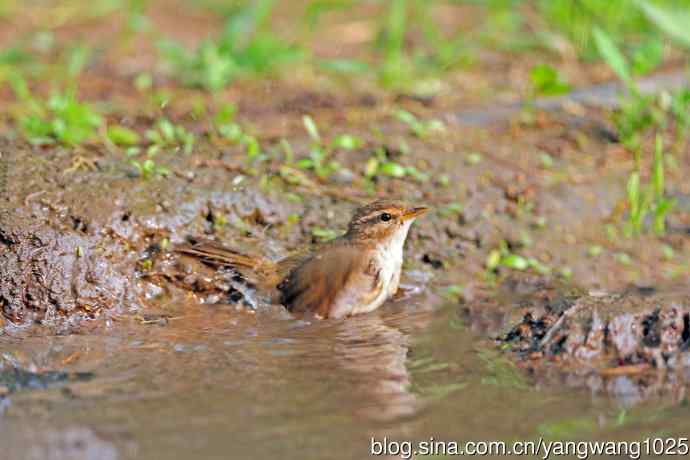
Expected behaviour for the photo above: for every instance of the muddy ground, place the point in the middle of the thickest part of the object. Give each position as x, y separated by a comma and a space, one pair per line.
81, 234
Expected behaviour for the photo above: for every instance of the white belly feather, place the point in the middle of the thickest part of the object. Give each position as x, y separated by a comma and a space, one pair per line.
388, 257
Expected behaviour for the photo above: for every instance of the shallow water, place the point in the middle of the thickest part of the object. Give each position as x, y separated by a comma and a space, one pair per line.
220, 383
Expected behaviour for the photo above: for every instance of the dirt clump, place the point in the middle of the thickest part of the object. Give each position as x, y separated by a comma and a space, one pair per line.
629, 331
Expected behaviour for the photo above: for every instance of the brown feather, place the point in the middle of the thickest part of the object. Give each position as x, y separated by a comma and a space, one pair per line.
257, 270
315, 283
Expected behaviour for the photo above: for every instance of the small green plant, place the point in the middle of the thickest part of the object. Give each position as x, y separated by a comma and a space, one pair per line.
575, 21
473, 158
419, 128
674, 23
662, 204
148, 169
63, 119
595, 250
651, 199
165, 135
504, 257
324, 234
123, 137
245, 46
680, 108
638, 113
454, 292
225, 126
639, 203
414, 70
546, 81
451, 210
380, 164
396, 67
320, 153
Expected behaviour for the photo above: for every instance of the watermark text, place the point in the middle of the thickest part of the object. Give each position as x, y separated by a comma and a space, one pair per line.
539, 448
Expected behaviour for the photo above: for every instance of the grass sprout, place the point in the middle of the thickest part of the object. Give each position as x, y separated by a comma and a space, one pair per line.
245, 46
166, 135
418, 127
62, 119
320, 153
148, 169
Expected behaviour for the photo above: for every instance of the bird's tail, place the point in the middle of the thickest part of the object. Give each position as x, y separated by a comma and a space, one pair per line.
255, 270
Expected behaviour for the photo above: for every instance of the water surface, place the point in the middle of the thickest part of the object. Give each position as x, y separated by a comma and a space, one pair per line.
219, 383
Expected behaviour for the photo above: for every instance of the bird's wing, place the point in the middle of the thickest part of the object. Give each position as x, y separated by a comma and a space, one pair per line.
319, 283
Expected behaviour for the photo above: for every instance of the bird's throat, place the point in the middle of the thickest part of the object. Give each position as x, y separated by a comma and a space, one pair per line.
389, 255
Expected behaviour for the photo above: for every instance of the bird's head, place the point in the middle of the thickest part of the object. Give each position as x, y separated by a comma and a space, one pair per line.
383, 221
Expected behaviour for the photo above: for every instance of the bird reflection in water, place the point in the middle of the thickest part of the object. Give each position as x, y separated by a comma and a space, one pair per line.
374, 351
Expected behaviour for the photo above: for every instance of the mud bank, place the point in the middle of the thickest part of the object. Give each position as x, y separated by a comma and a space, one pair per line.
607, 342
81, 235
72, 240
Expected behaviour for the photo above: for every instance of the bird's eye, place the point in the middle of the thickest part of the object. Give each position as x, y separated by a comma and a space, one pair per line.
386, 217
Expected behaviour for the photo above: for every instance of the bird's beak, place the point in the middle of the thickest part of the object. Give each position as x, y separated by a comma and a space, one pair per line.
411, 213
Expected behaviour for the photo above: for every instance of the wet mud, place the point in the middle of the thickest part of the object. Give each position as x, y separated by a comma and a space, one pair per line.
632, 345
628, 330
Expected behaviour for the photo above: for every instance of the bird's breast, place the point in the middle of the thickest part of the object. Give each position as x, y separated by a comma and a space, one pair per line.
390, 265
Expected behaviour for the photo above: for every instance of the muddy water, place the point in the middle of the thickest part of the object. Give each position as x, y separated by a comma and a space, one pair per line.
212, 382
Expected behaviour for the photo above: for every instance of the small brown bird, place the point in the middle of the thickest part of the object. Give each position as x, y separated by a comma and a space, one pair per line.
355, 273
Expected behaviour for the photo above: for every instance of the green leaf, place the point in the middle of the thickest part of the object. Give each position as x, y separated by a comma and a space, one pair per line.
372, 167
451, 209
612, 55
658, 168
311, 128
633, 189
473, 158
595, 250
347, 142
663, 207
493, 260
675, 23
393, 169
538, 266
167, 129
231, 132
305, 163
416, 174
63, 118
324, 234
143, 82
455, 291
253, 147
647, 57
547, 81
225, 115
515, 262
123, 137
406, 117
77, 59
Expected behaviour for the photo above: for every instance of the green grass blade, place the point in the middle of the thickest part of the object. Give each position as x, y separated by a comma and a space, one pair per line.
675, 23
612, 55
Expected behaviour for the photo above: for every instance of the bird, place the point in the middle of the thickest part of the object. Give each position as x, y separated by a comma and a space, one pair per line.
352, 274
